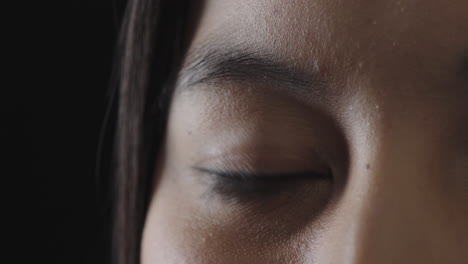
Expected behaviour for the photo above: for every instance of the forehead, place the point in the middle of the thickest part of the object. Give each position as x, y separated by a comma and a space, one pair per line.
423, 39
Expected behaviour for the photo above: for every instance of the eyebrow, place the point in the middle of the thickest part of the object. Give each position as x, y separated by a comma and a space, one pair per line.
240, 64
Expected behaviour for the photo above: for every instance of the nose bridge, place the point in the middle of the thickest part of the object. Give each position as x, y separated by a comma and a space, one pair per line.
399, 203
384, 214
382, 217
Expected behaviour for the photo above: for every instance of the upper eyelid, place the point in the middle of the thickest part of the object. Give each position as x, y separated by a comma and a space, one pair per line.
264, 160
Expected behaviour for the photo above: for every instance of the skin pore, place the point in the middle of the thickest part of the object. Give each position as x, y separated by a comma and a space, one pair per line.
324, 131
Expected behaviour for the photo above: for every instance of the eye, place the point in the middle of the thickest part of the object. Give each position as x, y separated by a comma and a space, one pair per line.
247, 186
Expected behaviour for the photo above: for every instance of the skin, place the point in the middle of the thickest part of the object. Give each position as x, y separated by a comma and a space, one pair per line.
388, 121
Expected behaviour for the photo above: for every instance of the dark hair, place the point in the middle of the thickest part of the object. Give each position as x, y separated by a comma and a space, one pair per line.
149, 51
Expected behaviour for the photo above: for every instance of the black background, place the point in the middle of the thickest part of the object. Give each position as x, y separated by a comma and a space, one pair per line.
54, 110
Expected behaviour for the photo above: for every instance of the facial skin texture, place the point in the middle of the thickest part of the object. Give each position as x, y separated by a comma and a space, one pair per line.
383, 119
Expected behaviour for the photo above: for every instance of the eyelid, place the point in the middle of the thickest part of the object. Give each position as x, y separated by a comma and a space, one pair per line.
240, 186
264, 160
247, 175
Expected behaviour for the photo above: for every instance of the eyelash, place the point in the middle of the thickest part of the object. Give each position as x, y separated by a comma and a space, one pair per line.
248, 186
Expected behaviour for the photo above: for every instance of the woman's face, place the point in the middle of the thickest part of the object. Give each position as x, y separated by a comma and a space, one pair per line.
317, 131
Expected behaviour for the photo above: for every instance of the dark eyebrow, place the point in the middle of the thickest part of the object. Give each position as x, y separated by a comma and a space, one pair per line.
244, 65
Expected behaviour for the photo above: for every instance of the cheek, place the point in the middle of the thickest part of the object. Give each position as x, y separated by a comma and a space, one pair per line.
168, 235
180, 228
175, 230
183, 238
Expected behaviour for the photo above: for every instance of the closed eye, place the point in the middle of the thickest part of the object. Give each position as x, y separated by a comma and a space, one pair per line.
245, 185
